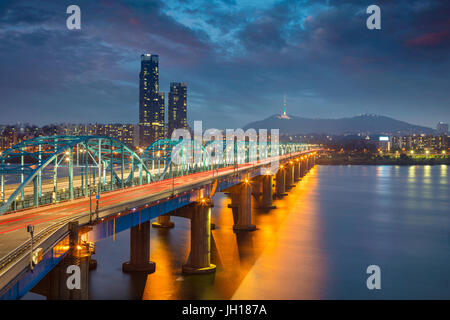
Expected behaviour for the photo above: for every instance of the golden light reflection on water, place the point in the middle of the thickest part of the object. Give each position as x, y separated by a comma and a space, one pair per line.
427, 171
301, 247
443, 170
396, 170
280, 260
291, 266
411, 185
164, 285
427, 175
412, 174
443, 180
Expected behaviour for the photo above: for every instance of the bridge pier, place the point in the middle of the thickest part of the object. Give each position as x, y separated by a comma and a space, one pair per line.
163, 222
139, 250
289, 183
302, 167
280, 182
61, 283
200, 257
266, 201
296, 170
241, 205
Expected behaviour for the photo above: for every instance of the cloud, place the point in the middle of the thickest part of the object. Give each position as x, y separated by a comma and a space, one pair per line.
431, 39
238, 59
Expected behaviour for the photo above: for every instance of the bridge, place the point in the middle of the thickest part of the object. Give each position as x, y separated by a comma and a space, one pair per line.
75, 190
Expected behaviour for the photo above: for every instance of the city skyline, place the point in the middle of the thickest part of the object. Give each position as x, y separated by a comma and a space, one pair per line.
320, 54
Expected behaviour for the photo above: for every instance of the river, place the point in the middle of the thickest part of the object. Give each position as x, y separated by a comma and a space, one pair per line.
317, 243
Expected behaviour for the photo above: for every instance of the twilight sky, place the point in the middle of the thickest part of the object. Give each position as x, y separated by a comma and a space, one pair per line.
238, 58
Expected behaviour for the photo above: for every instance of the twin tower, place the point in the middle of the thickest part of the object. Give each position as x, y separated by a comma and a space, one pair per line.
152, 125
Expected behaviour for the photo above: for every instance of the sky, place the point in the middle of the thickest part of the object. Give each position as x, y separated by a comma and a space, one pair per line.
238, 58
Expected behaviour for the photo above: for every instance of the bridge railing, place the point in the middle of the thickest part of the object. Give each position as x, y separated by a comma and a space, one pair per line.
47, 170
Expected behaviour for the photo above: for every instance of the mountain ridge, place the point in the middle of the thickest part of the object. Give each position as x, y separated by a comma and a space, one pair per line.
365, 123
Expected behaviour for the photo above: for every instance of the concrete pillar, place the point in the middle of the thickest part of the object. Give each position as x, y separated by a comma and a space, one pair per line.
234, 196
267, 196
61, 283
241, 204
289, 183
296, 170
140, 250
163, 222
280, 181
200, 256
257, 187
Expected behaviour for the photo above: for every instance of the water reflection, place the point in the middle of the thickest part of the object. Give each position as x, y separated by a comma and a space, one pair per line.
317, 244
292, 265
443, 171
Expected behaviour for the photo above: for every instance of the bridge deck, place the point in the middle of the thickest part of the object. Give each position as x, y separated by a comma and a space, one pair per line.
13, 226
13, 232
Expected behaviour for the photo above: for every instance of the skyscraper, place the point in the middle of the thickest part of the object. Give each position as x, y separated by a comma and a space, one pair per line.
177, 107
151, 101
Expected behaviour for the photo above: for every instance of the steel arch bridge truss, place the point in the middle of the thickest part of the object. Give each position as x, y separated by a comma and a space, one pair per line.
175, 158
47, 170
171, 158
51, 169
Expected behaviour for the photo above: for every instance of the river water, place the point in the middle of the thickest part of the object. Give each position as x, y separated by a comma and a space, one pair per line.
317, 244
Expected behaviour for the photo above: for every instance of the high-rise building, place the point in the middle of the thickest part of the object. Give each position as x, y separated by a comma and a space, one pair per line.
151, 101
177, 107
442, 128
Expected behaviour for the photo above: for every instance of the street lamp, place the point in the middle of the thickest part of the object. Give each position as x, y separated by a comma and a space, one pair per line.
90, 203
30, 229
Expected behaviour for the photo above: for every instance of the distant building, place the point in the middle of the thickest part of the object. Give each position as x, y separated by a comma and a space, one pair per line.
419, 143
122, 132
442, 128
384, 143
126, 133
177, 107
151, 101
9, 137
